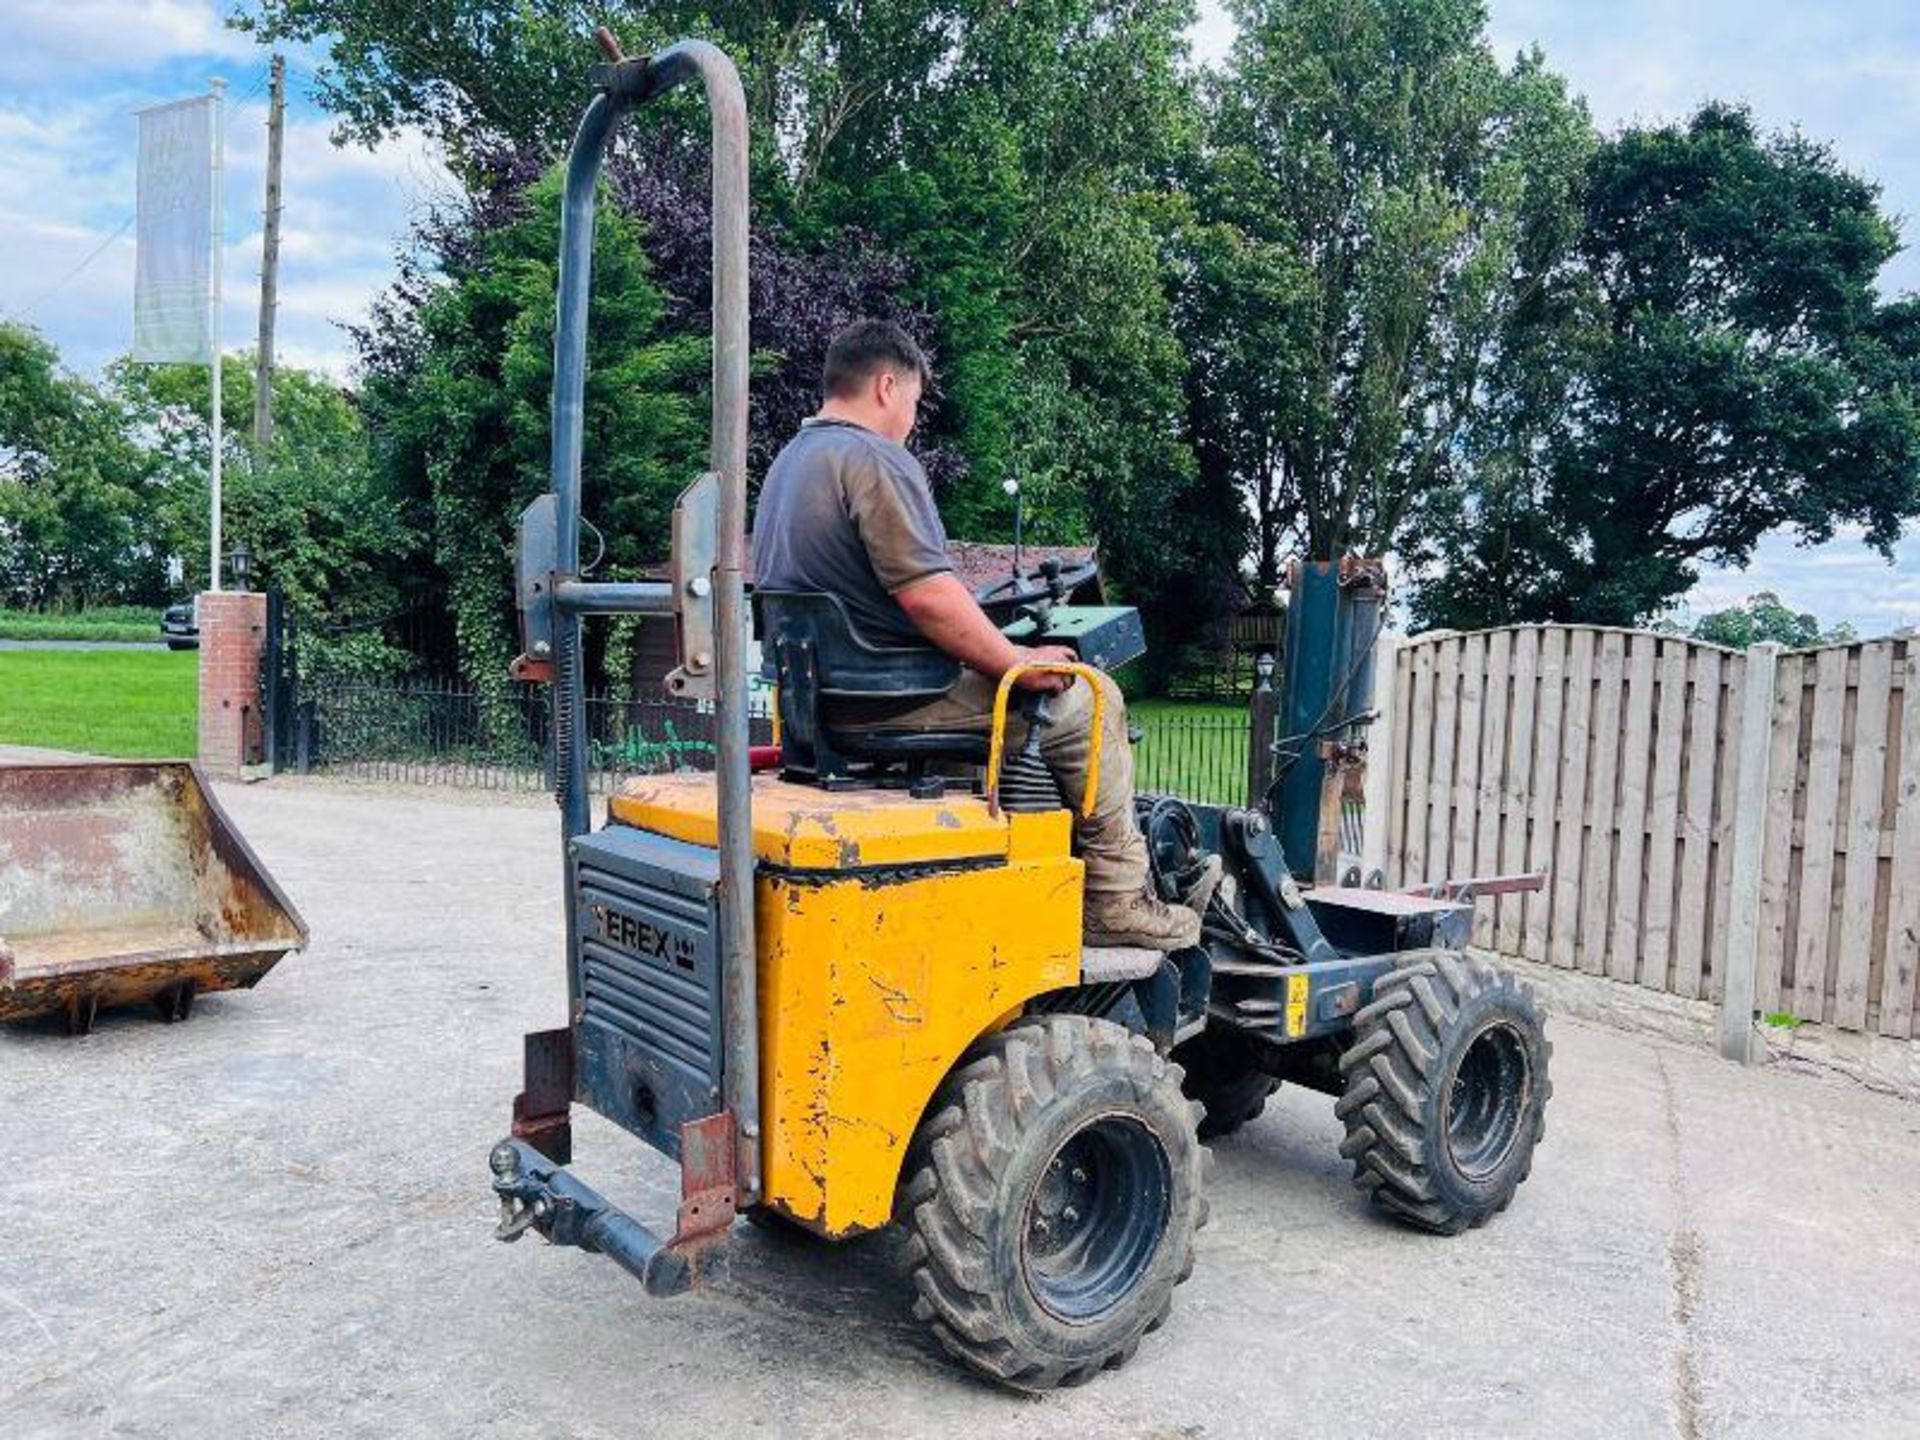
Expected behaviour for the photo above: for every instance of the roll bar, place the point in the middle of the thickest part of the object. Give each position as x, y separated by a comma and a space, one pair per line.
624, 84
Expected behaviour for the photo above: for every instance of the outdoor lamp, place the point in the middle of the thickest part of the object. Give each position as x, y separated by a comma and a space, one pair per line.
1012, 487
240, 566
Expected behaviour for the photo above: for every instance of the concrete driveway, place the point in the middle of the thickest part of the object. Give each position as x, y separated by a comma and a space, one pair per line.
273, 1220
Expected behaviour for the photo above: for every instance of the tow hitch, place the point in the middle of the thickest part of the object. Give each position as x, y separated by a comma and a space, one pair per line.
536, 1194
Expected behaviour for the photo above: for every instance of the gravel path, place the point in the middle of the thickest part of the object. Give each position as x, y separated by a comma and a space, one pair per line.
273, 1220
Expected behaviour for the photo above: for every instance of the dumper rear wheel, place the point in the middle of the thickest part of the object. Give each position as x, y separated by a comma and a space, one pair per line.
1052, 1201
1446, 1091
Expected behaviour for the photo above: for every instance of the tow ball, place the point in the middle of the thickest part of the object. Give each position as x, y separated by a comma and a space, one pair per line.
538, 1195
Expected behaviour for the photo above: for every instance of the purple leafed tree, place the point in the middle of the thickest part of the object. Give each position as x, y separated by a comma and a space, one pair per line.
798, 298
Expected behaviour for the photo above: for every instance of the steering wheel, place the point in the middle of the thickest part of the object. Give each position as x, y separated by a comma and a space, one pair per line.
1049, 580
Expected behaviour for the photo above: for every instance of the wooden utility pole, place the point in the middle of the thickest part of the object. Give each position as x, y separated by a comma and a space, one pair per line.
269, 264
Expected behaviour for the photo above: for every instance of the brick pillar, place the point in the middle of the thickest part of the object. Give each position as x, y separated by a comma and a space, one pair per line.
233, 632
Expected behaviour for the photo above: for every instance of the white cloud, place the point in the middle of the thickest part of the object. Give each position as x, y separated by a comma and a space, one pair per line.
1847, 75
68, 183
1212, 33
111, 37
1843, 580
72, 73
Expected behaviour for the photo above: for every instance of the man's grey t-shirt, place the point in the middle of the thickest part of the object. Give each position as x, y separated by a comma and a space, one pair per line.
849, 512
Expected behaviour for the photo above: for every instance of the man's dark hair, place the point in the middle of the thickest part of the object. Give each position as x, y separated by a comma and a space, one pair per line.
863, 349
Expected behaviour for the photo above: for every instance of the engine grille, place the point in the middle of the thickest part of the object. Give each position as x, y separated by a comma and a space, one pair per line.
649, 1030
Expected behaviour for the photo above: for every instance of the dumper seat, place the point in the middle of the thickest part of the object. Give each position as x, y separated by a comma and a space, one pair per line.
810, 649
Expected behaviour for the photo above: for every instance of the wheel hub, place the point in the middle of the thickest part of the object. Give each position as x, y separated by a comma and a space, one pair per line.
1093, 1222
1487, 1099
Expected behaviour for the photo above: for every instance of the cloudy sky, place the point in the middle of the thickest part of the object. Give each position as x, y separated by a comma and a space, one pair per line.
72, 72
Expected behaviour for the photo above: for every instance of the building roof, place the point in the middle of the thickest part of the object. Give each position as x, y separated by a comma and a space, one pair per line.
977, 564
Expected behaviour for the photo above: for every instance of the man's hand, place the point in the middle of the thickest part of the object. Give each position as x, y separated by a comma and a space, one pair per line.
1047, 682
947, 614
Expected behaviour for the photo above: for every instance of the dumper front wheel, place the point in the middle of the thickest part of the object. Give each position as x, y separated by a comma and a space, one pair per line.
1446, 1091
1052, 1202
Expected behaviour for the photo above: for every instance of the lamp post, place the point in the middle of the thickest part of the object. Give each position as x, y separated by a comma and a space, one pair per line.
240, 567
1012, 487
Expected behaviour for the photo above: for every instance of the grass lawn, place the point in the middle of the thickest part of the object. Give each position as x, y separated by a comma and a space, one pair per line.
137, 703
1192, 749
116, 622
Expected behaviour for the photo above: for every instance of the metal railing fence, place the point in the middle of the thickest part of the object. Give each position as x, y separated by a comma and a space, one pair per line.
436, 733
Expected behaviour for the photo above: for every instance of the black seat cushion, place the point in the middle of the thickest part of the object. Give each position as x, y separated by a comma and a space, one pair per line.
967, 746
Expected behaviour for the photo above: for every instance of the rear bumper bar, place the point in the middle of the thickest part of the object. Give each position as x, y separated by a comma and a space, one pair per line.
537, 1194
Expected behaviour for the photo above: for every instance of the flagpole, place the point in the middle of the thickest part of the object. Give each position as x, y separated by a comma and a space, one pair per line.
219, 87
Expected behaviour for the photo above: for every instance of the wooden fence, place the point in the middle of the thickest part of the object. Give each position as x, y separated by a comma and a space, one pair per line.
1717, 825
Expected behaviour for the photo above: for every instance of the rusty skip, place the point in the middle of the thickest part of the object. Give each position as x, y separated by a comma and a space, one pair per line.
123, 882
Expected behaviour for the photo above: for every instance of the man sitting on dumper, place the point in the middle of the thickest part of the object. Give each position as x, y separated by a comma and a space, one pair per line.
847, 510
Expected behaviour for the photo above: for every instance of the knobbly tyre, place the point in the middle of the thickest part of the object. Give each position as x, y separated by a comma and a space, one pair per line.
853, 993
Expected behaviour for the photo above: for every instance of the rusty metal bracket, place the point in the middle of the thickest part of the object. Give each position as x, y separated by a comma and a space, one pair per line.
82, 1007
695, 554
536, 561
175, 1003
709, 1184
541, 1109
1466, 891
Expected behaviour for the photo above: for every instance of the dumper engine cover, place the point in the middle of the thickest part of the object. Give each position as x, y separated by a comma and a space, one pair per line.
648, 1048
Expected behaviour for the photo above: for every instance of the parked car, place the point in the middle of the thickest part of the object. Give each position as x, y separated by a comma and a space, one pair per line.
179, 628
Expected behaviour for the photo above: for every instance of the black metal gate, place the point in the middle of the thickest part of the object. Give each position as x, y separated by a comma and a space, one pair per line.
279, 685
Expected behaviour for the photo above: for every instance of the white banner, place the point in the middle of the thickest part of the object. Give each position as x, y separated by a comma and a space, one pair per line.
173, 258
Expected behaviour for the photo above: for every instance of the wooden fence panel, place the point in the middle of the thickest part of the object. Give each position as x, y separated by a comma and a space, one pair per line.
1596, 880
1446, 759
1419, 751
1570, 843
1784, 781
1466, 770
1551, 709
1611, 760
1516, 783
1693, 904
1663, 801
1860, 835
1623, 946
1726, 790
1395, 745
1901, 972
1488, 804
1818, 831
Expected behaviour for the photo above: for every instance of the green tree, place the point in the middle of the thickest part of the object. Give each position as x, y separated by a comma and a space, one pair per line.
1020, 163
1013, 153
1375, 201
458, 394
1715, 364
315, 513
1762, 617
78, 498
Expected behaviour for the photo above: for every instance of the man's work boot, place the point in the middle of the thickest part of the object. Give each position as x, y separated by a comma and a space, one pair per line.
1138, 919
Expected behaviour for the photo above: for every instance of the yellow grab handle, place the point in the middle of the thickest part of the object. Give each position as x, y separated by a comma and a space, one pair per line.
996, 749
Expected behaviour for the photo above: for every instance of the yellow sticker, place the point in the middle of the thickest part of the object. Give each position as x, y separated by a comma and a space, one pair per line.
1297, 988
